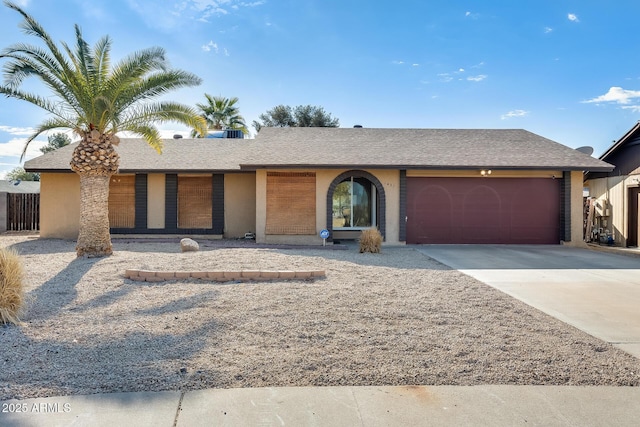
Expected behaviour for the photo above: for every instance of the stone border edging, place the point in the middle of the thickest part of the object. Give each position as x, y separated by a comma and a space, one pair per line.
223, 275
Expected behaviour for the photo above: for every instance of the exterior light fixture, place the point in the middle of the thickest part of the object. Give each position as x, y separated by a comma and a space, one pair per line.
485, 172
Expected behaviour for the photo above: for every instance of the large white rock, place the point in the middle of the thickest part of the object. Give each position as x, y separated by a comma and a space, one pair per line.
189, 245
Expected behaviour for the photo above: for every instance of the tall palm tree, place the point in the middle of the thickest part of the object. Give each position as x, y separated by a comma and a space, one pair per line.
221, 113
96, 101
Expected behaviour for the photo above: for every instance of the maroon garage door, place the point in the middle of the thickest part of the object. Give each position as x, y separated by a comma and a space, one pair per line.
483, 210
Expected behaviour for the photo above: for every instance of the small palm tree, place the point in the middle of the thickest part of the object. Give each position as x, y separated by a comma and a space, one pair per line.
221, 113
96, 101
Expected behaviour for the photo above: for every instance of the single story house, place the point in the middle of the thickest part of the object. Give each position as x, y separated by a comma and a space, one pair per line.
615, 192
415, 185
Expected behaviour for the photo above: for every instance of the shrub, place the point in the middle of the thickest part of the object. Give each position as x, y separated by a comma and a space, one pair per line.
370, 241
11, 286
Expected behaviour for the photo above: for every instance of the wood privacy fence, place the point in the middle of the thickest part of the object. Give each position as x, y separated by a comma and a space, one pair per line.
23, 212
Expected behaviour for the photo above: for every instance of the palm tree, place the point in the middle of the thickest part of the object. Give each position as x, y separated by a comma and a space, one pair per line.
96, 101
221, 113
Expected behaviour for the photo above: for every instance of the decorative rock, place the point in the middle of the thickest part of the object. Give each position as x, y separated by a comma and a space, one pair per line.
189, 245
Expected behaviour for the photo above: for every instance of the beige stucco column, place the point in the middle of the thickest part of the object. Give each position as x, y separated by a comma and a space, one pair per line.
577, 212
59, 205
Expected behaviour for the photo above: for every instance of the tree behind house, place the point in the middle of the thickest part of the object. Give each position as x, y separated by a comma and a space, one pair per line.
220, 113
300, 116
57, 140
19, 174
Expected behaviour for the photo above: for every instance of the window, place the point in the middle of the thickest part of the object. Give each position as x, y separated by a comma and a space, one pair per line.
291, 203
122, 201
354, 204
195, 195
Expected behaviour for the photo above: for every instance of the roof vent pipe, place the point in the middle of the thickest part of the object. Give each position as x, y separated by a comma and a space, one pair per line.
177, 136
357, 126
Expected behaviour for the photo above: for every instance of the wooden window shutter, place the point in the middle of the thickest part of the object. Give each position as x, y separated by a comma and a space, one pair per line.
195, 194
291, 203
122, 201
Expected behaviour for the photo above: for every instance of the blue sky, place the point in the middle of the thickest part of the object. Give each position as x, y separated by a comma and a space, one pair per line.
567, 70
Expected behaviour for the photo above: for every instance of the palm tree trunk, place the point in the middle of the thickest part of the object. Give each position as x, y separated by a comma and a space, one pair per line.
95, 160
94, 239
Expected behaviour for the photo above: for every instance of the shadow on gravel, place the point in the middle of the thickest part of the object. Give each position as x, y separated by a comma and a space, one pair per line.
59, 291
137, 361
44, 246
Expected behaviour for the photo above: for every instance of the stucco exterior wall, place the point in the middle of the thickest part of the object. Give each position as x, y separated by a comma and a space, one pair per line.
390, 179
156, 200
239, 204
612, 194
59, 205
577, 209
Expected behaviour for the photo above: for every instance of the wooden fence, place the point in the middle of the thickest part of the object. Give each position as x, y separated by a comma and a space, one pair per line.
23, 212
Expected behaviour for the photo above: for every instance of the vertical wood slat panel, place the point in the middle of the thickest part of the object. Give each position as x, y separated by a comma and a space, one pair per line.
291, 203
195, 196
122, 201
23, 212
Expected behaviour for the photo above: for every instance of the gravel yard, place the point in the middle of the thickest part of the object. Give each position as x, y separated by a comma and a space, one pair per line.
396, 318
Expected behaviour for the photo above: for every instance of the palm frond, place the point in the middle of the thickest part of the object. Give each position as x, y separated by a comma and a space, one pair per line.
45, 126
91, 94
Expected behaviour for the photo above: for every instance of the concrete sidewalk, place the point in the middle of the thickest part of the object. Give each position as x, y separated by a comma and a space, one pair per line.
338, 406
596, 292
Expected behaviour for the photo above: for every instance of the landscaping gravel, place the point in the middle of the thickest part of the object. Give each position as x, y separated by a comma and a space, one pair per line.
395, 318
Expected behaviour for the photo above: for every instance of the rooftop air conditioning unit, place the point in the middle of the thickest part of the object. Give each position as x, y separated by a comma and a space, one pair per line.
226, 134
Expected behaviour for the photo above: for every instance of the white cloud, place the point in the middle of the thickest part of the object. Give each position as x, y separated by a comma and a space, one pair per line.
14, 148
174, 14
634, 108
415, 65
16, 130
477, 78
548, 30
397, 62
573, 17
617, 95
514, 113
209, 46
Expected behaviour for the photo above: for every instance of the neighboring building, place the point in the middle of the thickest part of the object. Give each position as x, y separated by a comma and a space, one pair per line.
615, 193
415, 185
19, 186
19, 206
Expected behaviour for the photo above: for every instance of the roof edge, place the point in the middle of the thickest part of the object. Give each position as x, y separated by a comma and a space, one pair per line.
253, 167
621, 141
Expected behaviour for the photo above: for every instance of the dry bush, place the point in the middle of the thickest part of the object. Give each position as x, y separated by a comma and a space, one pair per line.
11, 286
370, 241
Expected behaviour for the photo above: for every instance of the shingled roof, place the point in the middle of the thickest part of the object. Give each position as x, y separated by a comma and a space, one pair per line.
178, 155
345, 148
416, 149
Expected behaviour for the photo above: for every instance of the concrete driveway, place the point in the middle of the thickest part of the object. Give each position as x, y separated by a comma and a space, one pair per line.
596, 292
